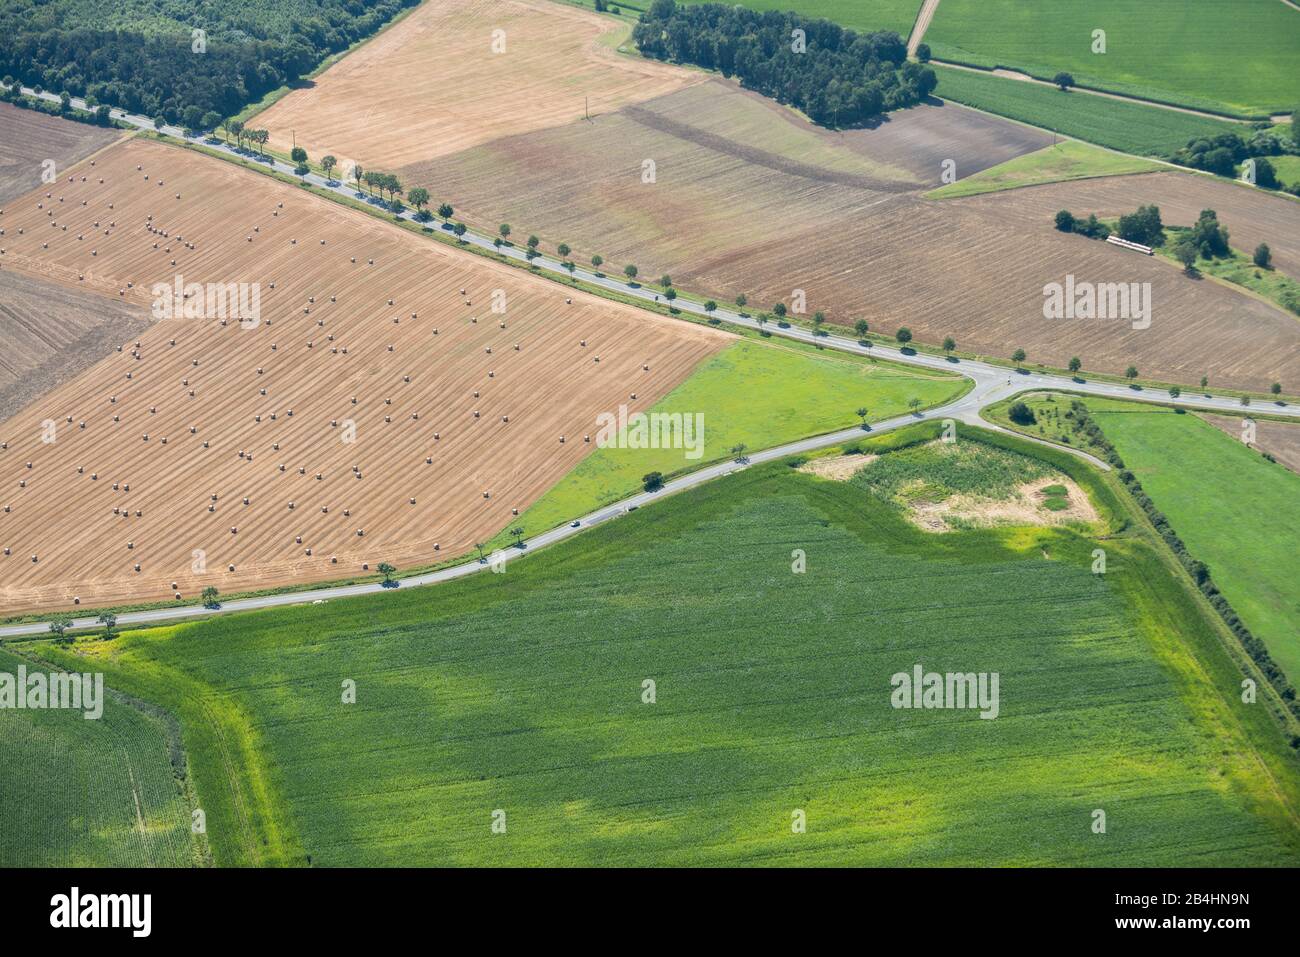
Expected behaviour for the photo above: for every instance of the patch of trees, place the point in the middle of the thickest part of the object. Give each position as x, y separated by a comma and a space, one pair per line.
99, 116
159, 74
1091, 227
838, 77
1200, 572
1143, 226
1222, 154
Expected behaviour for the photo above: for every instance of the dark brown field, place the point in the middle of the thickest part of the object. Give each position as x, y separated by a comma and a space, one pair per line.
29, 138
51, 333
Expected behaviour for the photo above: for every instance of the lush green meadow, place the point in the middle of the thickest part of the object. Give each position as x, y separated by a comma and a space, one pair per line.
1128, 127
88, 793
759, 394
1237, 512
862, 15
1240, 58
522, 698
1067, 160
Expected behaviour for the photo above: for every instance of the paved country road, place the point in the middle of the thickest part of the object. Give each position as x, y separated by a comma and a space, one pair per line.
991, 384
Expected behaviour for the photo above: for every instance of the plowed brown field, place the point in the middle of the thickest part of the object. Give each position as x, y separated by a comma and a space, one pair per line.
28, 139
157, 447
455, 73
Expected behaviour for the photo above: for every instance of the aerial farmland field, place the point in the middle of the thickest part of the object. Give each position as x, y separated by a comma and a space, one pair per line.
531, 700
563, 435
200, 415
1171, 51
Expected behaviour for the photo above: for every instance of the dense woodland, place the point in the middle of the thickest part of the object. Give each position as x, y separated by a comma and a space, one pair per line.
837, 77
153, 67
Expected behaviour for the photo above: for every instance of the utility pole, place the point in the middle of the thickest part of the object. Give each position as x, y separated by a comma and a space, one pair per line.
585, 114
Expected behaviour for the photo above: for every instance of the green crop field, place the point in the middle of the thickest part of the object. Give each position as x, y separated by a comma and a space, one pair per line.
759, 394
1067, 160
1236, 511
1241, 58
525, 700
79, 793
862, 15
1128, 127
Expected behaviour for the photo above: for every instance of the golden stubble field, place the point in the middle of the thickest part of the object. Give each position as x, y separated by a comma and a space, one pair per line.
454, 74
378, 410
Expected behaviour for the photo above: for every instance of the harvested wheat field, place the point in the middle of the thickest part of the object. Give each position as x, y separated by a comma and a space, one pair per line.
51, 333
378, 409
28, 139
444, 79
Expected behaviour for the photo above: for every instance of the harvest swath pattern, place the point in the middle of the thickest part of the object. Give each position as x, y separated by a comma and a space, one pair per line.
281, 394
522, 692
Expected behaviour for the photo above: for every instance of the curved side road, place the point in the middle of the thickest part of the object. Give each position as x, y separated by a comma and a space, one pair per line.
991, 384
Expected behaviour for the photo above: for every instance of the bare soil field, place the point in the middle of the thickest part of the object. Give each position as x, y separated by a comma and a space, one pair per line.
28, 139
378, 410
444, 79
1279, 439
1251, 215
51, 333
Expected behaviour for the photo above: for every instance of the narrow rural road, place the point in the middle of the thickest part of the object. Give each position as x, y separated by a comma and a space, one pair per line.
991, 384
922, 24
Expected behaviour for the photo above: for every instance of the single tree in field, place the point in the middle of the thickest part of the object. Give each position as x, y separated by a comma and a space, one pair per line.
481, 556
387, 570
1175, 392
533, 242
818, 320
570, 265
710, 306
563, 250
209, 597
652, 481
670, 293
517, 533
419, 198
1063, 81
498, 243
1245, 400
779, 310
665, 280
1075, 365
949, 344
1065, 221
914, 404
1275, 388
741, 300
862, 414
504, 230
109, 621
861, 328
1018, 357
630, 271
903, 335
1263, 257
1131, 373
1205, 382
357, 173
298, 154
445, 211
738, 450
58, 626
460, 229
327, 163
597, 262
